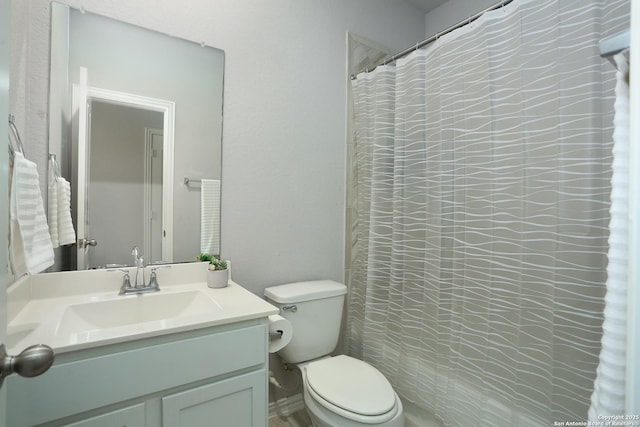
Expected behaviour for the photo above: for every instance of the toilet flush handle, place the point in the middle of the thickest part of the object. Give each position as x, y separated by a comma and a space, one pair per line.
291, 308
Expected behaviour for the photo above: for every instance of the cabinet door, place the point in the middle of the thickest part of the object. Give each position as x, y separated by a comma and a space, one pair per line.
133, 416
235, 402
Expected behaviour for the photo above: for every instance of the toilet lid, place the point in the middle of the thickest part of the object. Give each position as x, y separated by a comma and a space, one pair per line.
352, 385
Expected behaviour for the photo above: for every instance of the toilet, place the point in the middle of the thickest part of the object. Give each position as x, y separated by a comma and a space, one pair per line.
339, 391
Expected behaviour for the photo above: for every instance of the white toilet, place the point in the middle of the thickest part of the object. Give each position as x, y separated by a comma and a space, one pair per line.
339, 391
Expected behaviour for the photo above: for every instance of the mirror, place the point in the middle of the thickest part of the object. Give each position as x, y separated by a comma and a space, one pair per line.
135, 121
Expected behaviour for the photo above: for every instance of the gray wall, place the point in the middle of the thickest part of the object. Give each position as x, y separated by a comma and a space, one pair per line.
452, 12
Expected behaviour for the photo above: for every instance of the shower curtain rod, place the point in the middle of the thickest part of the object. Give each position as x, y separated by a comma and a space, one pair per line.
433, 38
616, 43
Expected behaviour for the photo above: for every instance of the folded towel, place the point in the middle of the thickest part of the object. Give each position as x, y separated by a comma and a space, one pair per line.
210, 216
66, 233
31, 250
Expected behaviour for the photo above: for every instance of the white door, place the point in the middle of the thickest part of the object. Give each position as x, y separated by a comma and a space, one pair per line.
4, 128
4, 278
25, 366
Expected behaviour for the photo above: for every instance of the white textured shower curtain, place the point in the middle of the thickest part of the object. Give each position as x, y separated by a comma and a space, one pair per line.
608, 396
478, 220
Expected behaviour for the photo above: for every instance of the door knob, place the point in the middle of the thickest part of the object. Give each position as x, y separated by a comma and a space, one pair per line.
31, 362
83, 243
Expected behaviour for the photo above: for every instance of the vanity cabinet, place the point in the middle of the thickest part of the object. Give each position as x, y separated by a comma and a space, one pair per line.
127, 417
214, 376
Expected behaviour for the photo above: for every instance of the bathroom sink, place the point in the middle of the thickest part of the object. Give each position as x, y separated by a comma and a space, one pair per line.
133, 310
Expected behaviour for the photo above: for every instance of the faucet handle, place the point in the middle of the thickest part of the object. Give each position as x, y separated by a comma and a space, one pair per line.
153, 278
126, 279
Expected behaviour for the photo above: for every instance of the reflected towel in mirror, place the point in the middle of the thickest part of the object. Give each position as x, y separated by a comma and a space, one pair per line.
66, 233
210, 217
59, 212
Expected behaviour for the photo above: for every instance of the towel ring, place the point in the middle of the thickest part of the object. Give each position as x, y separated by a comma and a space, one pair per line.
16, 135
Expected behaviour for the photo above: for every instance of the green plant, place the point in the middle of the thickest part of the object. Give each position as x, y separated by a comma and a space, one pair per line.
214, 263
205, 257
219, 264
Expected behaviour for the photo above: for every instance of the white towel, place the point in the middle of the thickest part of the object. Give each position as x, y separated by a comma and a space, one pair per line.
66, 233
31, 250
210, 217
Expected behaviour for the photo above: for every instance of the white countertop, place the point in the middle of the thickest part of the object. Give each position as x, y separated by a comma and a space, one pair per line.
38, 304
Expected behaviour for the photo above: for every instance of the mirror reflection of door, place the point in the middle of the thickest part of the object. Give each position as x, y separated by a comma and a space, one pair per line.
125, 183
139, 63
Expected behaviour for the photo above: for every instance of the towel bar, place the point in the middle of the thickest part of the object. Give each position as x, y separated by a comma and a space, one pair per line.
188, 181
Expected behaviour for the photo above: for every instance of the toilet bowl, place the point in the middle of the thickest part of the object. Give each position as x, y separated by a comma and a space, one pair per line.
339, 391
345, 392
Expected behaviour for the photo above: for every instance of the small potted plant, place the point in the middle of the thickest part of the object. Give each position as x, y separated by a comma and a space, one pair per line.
218, 273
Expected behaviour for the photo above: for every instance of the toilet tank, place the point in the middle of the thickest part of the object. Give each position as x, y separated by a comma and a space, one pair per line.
315, 312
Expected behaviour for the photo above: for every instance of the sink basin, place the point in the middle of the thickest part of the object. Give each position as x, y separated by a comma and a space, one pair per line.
134, 309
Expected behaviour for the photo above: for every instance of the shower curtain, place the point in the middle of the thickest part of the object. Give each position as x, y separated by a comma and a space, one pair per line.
477, 233
608, 396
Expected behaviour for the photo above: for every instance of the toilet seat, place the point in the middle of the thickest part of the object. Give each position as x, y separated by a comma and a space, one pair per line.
352, 389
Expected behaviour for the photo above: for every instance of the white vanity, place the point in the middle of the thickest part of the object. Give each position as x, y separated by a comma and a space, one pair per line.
185, 356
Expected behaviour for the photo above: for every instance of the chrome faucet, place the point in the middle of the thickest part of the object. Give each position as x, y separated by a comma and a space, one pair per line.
128, 289
139, 286
140, 277
135, 253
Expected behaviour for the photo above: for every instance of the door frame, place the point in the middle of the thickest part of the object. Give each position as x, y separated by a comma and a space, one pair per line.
167, 108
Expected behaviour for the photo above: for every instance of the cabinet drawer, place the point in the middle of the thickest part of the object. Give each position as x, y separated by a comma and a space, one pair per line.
120, 376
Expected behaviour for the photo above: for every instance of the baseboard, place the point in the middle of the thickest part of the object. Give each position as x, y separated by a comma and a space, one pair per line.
286, 406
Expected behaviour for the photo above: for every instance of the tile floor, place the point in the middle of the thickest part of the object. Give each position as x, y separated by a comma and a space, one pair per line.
297, 419
278, 422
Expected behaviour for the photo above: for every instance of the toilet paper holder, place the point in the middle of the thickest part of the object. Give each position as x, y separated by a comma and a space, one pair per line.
279, 331
275, 334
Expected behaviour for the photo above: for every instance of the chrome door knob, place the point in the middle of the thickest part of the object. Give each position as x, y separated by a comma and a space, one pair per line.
31, 362
83, 243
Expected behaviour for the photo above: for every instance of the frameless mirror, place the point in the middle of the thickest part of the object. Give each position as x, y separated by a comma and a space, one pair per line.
135, 122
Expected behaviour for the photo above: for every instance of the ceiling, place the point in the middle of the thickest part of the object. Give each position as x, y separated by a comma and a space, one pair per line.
427, 5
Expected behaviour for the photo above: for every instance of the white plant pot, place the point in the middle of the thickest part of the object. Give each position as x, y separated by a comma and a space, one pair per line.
217, 278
